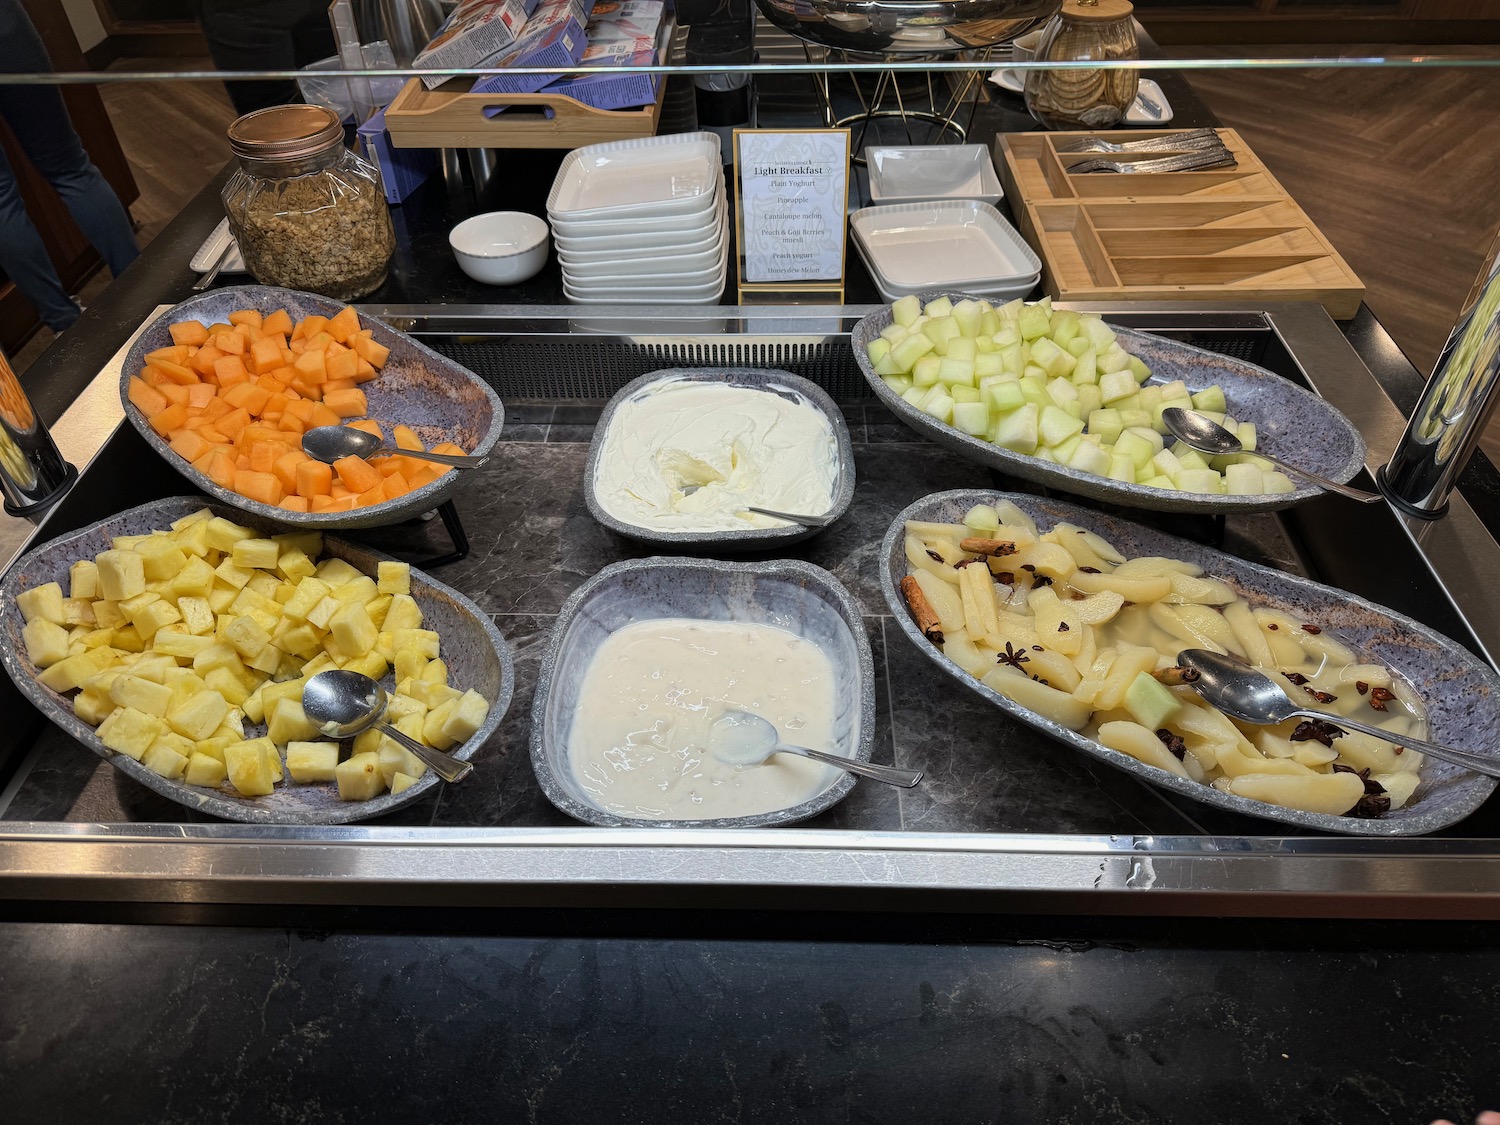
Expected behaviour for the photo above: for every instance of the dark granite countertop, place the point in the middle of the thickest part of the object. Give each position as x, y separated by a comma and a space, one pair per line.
197, 1013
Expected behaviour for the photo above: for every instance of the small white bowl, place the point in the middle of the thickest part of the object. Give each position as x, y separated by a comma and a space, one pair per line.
500, 247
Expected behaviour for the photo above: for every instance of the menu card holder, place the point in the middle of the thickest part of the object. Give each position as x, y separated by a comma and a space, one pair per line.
791, 213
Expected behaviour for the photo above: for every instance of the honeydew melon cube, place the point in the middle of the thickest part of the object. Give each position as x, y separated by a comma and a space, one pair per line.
1033, 371
1006, 396
906, 310
877, 351
988, 366
962, 347
1138, 369
1245, 431
886, 366
1159, 481
1149, 702
1115, 386
1106, 423
956, 371
1121, 468
1176, 389
1051, 358
1065, 326
925, 373
938, 404
939, 307
1018, 429
1055, 426
1210, 398
1062, 392
1086, 368
890, 336
1010, 312
1033, 321
915, 395
1090, 458
1243, 480
1132, 418
1074, 408
1007, 336
899, 384
1150, 400
1115, 358
983, 345
1011, 360
966, 315
908, 351
1063, 451
1188, 457
1167, 464
1132, 403
1278, 482
939, 332
989, 323
1100, 334
1078, 345
1034, 390
1203, 481
1044, 454
964, 394
1089, 399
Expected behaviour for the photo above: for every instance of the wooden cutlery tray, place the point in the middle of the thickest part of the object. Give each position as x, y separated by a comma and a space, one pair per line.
1167, 236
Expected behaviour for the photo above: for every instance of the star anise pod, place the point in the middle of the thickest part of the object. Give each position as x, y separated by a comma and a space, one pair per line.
1317, 730
1012, 657
1173, 743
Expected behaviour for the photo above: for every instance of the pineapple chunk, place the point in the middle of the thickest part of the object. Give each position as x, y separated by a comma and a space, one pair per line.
395, 759
273, 759
361, 590
401, 782
432, 726
150, 618
424, 641
310, 543
130, 732
436, 672
336, 572
394, 577
144, 695
322, 613
248, 768
359, 778
267, 660
430, 694
92, 707
72, 671
194, 539
234, 689
310, 591
192, 519
128, 640
185, 646
294, 565
247, 637
122, 574
256, 554
46, 643
272, 694
371, 664
77, 611
214, 747
378, 609
409, 664
289, 723
231, 575
107, 615
199, 716
83, 580
161, 558
197, 615
400, 706
223, 535
217, 655
202, 769
353, 630
194, 580
164, 760
403, 614
44, 602
467, 716
267, 586
153, 667
312, 761
220, 598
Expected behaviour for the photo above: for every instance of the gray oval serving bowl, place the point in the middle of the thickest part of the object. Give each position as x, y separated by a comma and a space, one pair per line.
1461, 692
417, 387
748, 539
1290, 422
796, 596
476, 654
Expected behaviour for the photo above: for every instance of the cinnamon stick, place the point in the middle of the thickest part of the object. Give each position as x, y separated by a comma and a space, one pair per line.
990, 548
1173, 677
921, 608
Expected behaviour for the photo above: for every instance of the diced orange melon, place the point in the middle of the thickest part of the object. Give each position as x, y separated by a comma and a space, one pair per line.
146, 398
189, 333
346, 404
356, 474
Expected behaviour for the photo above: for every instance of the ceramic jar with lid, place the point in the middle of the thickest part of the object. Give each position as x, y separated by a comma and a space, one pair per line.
1084, 31
307, 213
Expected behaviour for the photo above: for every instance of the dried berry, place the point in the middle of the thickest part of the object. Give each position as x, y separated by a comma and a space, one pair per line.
1029, 568
1173, 743
1317, 730
1274, 627
1089, 569
1006, 577
1361, 687
1370, 807
1313, 629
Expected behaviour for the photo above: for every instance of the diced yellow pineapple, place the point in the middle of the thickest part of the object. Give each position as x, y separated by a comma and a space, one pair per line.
401, 782
294, 565
223, 535
289, 723
312, 761
254, 707
128, 640
267, 660
409, 664
320, 663
265, 584
300, 640
403, 614
273, 760
395, 758
77, 611
164, 760
368, 742
424, 641
378, 609
192, 519
361, 590
249, 769
467, 717
233, 724
231, 575
176, 743
150, 618
322, 613
432, 726
172, 641
359, 778
310, 591
194, 539
161, 558
99, 638
205, 770
198, 717
255, 554
92, 707
197, 615
372, 664
71, 672
107, 615
352, 630
432, 695
153, 667
122, 574
217, 655
132, 606
230, 686
399, 706
43, 602
336, 572
214, 747
130, 732
272, 694
46, 642
83, 580
221, 597
143, 695
395, 577
125, 542
247, 636
310, 543
436, 671
412, 726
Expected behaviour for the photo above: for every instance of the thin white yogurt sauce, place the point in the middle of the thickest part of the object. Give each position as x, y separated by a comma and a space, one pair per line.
684, 455
639, 741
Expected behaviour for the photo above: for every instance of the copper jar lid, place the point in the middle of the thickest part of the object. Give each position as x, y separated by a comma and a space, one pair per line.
1088, 10
285, 132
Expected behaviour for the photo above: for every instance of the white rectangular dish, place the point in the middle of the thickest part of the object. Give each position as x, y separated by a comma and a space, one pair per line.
653, 270
926, 172
997, 294
709, 295
645, 177
689, 225
952, 243
627, 247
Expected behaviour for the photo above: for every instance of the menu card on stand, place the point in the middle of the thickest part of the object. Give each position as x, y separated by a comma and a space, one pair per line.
791, 211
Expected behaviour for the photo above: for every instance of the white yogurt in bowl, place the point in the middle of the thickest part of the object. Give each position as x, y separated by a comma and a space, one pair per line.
682, 455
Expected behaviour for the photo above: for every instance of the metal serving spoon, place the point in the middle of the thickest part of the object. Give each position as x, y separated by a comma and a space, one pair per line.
739, 738
1243, 692
329, 443
1205, 435
805, 521
343, 704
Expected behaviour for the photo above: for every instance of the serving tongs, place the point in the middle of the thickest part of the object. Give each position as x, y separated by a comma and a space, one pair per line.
1173, 142
1181, 162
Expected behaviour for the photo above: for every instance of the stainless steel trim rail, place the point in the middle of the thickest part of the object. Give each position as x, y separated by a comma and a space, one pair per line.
820, 869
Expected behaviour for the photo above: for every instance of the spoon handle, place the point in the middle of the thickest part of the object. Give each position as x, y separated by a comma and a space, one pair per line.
805, 521
1479, 763
1358, 494
445, 766
891, 775
457, 460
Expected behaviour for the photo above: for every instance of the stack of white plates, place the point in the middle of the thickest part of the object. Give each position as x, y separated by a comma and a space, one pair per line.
642, 222
947, 244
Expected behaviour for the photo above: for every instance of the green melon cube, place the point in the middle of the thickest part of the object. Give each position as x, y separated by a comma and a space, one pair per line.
1150, 703
1116, 385
1056, 426
908, 351
1017, 430
941, 307
1121, 468
964, 394
1090, 458
1243, 480
1006, 395
906, 310
1033, 321
1106, 423
1210, 398
1205, 481
966, 315
971, 417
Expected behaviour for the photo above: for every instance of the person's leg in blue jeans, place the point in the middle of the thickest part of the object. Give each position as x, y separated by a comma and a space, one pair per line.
39, 120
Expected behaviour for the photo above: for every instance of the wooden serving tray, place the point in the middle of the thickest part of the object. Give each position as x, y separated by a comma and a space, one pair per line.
1168, 236
452, 117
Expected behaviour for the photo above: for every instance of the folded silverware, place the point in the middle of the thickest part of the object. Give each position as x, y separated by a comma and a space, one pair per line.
1186, 139
1182, 162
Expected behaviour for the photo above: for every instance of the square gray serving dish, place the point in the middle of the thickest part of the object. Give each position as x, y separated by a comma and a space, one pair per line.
475, 652
796, 596
1290, 422
1461, 692
417, 387
783, 383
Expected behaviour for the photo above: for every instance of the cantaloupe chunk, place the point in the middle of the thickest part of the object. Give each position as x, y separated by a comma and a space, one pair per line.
343, 325
189, 445
190, 333
346, 403
294, 503
251, 317
314, 478
171, 418
279, 321
146, 398
356, 474
258, 486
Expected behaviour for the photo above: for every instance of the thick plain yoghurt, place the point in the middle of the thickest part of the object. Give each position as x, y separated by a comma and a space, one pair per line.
684, 455
639, 741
